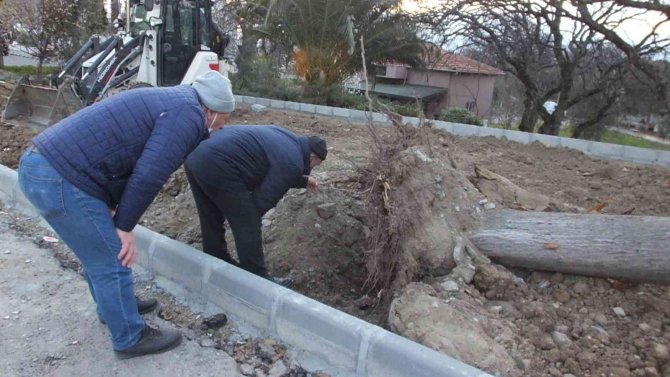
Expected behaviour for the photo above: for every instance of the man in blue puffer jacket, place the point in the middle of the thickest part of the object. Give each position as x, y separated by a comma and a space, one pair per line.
93, 174
239, 174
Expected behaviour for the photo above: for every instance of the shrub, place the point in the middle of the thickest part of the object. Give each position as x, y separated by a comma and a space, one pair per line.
409, 109
331, 95
460, 115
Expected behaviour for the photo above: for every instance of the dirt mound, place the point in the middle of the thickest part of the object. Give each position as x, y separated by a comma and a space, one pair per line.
14, 140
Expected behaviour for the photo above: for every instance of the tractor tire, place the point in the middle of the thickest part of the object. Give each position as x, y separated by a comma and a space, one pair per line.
138, 84
119, 89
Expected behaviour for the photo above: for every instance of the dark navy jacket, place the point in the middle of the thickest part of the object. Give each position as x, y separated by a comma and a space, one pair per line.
122, 150
267, 160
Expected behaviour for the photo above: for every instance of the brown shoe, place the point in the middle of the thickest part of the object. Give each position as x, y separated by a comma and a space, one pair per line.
152, 341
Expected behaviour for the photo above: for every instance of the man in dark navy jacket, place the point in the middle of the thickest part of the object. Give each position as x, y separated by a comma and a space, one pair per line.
239, 174
93, 174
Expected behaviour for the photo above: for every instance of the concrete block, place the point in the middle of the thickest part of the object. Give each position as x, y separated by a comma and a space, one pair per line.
465, 130
518, 136
329, 332
8, 185
293, 106
277, 104
308, 108
179, 262
379, 117
145, 242
663, 158
262, 101
358, 115
323, 110
411, 120
606, 150
8, 180
442, 125
489, 131
390, 355
641, 155
577, 144
548, 140
242, 294
239, 99
340, 112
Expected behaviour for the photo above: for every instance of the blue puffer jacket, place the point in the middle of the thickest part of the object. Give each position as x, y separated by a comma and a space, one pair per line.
122, 150
268, 160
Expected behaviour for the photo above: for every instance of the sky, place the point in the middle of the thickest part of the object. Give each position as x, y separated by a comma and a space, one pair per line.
631, 30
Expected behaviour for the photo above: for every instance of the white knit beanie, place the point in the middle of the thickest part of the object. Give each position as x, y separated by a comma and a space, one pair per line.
215, 92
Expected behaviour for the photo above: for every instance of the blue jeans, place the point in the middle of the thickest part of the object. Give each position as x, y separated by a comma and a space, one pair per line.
84, 223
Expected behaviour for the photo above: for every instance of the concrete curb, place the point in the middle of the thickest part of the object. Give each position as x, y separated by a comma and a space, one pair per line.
593, 148
350, 346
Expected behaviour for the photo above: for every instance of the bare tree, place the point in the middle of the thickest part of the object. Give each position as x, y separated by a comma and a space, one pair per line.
597, 15
548, 48
507, 101
40, 23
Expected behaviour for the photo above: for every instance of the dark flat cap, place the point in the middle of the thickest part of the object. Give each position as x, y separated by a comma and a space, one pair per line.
318, 146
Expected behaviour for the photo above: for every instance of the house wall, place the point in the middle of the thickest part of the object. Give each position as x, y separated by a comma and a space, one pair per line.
461, 89
396, 71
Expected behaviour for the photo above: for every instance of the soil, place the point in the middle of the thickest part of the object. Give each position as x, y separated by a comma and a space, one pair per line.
563, 324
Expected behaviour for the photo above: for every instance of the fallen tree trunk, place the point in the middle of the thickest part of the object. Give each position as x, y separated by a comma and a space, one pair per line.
633, 248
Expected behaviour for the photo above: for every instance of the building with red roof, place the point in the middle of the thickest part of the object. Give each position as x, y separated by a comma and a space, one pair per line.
448, 80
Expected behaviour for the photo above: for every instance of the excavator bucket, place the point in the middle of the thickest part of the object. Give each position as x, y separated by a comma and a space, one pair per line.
39, 107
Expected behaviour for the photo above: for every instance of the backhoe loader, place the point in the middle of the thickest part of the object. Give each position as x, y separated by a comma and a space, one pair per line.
159, 43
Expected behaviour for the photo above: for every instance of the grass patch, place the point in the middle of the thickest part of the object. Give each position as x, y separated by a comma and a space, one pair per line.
23, 70
614, 137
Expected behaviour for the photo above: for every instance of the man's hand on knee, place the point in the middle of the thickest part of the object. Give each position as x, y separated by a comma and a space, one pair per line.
128, 253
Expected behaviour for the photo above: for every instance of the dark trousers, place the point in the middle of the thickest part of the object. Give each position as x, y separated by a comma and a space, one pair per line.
215, 206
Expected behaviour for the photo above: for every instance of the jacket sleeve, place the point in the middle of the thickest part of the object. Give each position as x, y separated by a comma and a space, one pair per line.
176, 133
276, 183
301, 182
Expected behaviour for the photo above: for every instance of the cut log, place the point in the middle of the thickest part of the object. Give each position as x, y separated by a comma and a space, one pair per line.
633, 248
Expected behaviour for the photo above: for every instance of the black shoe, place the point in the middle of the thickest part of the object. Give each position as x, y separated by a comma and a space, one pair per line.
152, 341
146, 306
143, 306
284, 282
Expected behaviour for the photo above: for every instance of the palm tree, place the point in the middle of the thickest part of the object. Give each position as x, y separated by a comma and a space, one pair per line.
325, 35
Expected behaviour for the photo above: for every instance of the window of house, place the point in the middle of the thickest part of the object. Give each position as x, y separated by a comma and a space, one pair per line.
380, 70
471, 106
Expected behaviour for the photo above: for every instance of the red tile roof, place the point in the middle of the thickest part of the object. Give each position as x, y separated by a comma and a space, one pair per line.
460, 63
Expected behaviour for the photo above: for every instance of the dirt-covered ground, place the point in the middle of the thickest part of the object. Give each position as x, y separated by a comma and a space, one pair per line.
561, 324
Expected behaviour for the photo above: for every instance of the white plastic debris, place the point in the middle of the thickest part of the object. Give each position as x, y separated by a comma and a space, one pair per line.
619, 311
258, 108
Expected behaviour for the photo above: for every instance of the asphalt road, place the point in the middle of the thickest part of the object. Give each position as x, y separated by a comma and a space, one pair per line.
19, 55
48, 324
